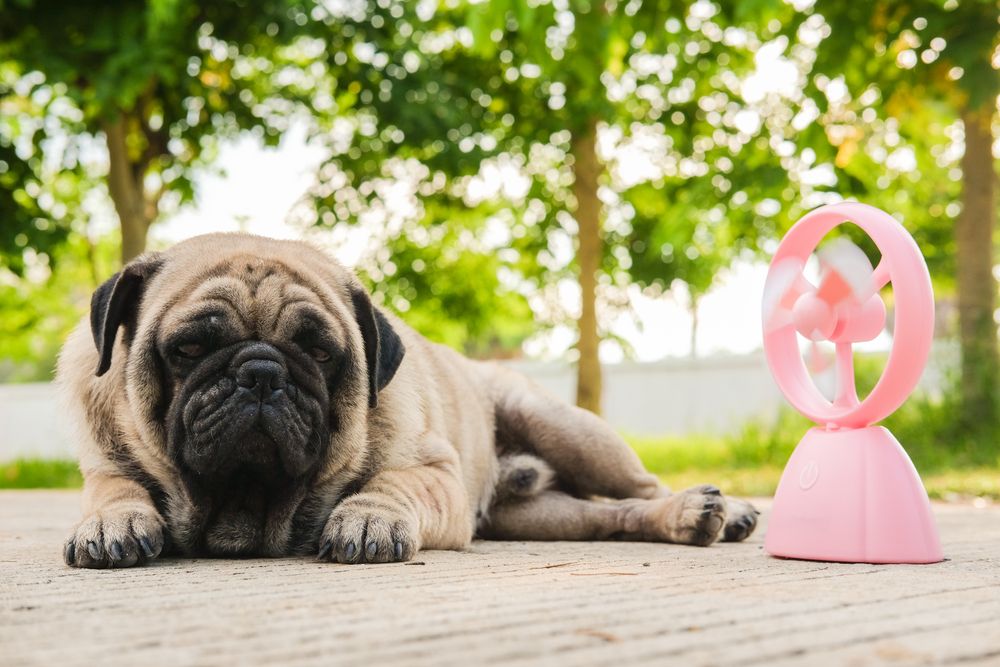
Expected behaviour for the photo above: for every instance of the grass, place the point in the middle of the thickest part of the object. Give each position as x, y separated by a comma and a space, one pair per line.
40, 474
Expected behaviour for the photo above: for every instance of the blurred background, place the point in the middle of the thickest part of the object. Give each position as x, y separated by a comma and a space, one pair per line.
588, 190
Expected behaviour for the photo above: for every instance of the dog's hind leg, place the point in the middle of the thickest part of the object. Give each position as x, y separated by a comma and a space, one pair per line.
696, 516
588, 457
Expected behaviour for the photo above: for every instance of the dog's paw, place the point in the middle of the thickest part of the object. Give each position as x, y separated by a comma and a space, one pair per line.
521, 476
363, 530
115, 537
741, 520
695, 516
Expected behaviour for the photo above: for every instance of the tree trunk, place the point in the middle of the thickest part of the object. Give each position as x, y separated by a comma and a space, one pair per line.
976, 286
125, 183
586, 171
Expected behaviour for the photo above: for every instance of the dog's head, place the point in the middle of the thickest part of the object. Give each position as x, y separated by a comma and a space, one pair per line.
244, 355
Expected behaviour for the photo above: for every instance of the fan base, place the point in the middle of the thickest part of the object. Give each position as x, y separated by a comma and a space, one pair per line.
853, 496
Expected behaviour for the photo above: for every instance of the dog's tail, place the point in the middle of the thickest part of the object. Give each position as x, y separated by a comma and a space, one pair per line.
521, 476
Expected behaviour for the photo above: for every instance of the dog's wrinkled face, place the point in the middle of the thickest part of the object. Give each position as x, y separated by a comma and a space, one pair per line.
250, 366
251, 361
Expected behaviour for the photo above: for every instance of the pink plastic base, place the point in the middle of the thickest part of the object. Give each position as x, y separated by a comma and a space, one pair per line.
852, 495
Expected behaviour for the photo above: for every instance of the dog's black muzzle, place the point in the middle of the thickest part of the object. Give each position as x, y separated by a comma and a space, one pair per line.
249, 413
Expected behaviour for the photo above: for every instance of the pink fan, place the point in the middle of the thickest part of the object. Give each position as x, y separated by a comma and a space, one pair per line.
849, 492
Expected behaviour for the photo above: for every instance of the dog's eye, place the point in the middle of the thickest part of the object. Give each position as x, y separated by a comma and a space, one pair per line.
191, 350
319, 354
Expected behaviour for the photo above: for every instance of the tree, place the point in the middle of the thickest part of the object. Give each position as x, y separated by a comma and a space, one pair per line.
158, 84
533, 88
926, 67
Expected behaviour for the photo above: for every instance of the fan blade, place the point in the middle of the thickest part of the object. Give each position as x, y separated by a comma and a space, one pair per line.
847, 273
784, 285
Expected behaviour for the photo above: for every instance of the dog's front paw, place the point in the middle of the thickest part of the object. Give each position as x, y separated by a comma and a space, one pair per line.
741, 520
695, 516
118, 536
364, 529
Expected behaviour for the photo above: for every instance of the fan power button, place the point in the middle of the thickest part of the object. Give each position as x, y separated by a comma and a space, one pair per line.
808, 475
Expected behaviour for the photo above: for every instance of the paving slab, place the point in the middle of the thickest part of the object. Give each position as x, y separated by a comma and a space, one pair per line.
506, 603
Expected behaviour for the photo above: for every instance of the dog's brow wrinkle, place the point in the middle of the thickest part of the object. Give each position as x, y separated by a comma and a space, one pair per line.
281, 310
233, 291
230, 305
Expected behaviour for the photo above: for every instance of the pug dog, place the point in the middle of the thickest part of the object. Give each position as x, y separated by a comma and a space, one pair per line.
242, 396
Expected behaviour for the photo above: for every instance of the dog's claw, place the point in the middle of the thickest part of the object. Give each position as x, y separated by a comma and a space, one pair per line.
117, 553
94, 550
325, 550
350, 550
371, 550
147, 547
398, 550
70, 553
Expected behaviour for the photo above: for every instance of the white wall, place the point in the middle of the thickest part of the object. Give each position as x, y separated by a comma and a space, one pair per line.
678, 396
30, 423
703, 395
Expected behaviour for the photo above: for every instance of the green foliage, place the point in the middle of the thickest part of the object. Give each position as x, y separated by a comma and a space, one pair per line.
149, 87
452, 297
910, 48
194, 71
887, 82
36, 205
453, 95
39, 310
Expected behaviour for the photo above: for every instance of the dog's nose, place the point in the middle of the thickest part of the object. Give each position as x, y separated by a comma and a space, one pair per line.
262, 376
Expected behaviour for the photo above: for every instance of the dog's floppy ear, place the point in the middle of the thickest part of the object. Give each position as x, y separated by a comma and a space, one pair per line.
383, 349
116, 303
